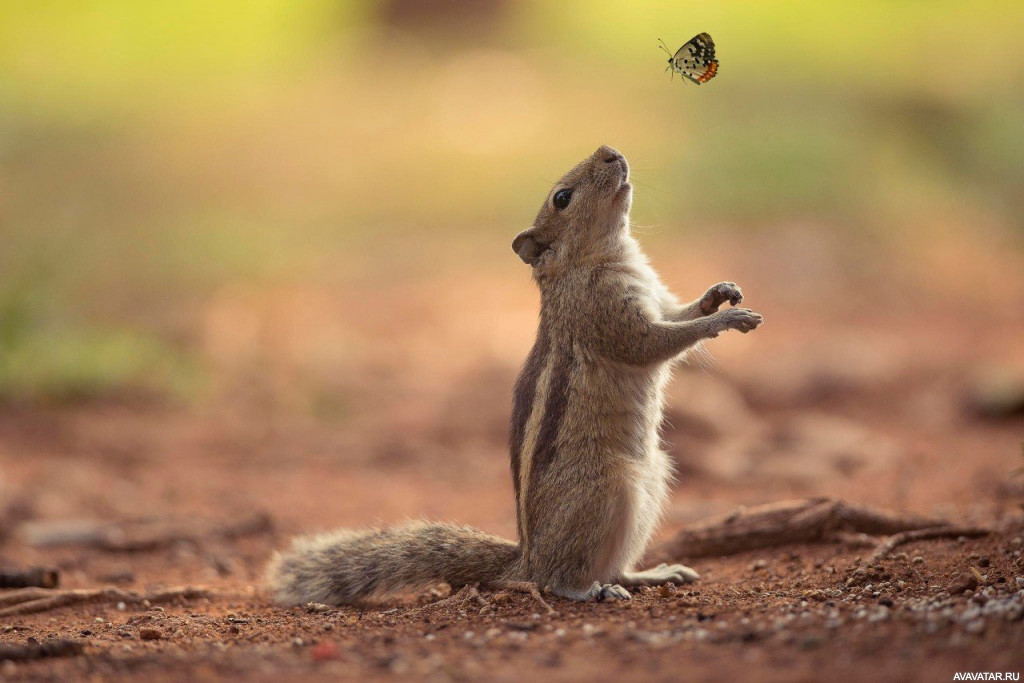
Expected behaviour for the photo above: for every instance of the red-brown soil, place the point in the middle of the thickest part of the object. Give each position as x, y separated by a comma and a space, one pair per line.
864, 397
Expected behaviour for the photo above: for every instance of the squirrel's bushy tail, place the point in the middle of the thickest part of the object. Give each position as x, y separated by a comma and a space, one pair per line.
349, 566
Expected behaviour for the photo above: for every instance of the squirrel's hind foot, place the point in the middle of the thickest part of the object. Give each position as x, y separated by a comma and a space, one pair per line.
663, 573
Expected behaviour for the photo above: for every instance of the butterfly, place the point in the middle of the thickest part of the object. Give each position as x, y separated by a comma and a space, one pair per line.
695, 59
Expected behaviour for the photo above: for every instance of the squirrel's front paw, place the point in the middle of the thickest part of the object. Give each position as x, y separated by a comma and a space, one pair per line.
742, 319
718, 295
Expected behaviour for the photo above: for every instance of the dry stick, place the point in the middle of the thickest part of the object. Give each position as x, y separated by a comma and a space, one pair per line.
813, 520
887, 546
43, 577
528, 587
32, 600
854, 539
140, 535
467, 593
474, 594
464, 595
49, 648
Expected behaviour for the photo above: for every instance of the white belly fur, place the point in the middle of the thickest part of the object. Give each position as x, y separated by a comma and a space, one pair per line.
647, 468
646, 489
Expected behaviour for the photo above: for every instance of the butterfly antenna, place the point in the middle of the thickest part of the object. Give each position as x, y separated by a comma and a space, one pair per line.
663, 46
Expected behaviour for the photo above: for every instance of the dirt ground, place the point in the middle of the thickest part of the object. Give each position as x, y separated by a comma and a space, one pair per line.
898, 404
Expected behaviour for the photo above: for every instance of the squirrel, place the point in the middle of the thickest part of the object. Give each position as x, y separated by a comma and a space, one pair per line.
589, 474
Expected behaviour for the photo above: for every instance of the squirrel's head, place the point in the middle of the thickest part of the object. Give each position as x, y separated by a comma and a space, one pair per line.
584, 216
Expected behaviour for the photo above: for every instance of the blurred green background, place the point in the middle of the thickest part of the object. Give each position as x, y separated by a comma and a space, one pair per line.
156, 158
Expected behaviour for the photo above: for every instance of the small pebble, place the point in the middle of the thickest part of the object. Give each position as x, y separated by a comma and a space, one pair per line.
963, 583
975, 627
150, 633
317, 607
325, 651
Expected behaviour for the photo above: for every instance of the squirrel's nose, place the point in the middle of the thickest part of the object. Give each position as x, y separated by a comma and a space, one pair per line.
608, 155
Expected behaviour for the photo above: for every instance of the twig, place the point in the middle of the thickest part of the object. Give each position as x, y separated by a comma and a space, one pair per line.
460, 598
896, 540
43, 577
814, 520
49, 648
138, 535
468, 593
528, 587
854, 539
32, 600
475, 596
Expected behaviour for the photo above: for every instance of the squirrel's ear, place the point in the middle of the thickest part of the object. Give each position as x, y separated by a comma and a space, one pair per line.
527, 247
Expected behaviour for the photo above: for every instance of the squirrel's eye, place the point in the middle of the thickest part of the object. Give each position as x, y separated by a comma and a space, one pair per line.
561, 199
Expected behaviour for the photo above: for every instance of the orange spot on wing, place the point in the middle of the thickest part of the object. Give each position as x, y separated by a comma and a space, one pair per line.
709, 74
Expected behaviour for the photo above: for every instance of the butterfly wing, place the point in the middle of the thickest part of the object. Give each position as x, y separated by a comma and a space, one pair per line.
696, 59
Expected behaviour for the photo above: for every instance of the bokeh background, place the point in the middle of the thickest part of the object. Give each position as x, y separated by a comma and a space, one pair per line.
257, 254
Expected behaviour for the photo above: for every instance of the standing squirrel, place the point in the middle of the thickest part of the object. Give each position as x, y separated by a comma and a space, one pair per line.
590, 477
